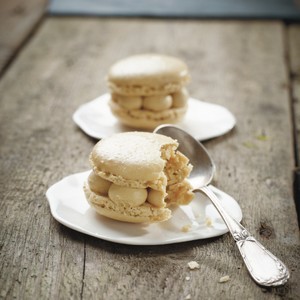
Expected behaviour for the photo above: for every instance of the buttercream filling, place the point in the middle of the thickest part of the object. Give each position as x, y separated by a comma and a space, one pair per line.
152, 103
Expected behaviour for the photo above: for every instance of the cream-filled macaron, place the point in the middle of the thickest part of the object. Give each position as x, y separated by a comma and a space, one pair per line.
135, 177
148, 90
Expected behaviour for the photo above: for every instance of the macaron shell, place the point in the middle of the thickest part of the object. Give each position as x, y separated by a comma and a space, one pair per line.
148, 69
179, 194
131, 155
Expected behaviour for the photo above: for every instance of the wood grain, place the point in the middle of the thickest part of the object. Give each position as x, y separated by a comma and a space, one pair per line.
240, 65
17, 21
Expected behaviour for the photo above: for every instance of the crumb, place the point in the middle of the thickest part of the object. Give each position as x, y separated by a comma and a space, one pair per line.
199, 215
249, 145
208, 222
187, 278
188, 297
224, 279
269, 182
186, 228
193, 265
262, 137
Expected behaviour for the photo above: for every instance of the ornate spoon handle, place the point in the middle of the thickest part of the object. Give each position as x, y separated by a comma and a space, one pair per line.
263, 266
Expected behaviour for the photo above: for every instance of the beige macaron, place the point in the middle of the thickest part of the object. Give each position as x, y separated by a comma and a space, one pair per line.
148, 90
136, 176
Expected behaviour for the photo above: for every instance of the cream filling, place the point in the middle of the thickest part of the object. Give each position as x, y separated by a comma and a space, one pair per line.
127, 195
134, 102
157, 103
98, 184
180, 98
152, 103
176, 190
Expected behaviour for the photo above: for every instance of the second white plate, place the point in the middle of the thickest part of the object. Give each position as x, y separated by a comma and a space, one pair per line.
203, 120
200, 219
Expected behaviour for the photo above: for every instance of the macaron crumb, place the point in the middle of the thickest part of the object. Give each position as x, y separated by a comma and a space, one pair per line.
187, 297
224, 279
187, 278
193, 265
208, 222
186, 228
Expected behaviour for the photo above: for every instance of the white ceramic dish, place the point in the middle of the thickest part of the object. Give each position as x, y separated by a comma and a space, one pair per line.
203, 120
69, 207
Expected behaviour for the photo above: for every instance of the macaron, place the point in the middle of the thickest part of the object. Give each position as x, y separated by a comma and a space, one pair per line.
148, 90
137, 176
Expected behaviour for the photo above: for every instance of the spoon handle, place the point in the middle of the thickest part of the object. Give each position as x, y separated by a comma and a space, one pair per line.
263, 266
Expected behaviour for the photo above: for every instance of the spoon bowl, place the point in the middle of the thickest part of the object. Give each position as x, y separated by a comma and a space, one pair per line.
265, 268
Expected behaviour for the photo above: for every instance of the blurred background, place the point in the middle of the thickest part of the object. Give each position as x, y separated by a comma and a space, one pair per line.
20, 18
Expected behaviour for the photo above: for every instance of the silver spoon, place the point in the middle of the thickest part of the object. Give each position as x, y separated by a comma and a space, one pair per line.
263, 266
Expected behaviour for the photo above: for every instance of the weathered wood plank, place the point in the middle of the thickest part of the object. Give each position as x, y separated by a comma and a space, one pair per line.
17, 20
237, 64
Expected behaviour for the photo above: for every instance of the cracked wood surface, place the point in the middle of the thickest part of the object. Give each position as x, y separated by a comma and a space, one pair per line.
294, 47
240, 65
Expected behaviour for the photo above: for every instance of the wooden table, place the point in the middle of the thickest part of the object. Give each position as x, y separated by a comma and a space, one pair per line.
250, 67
